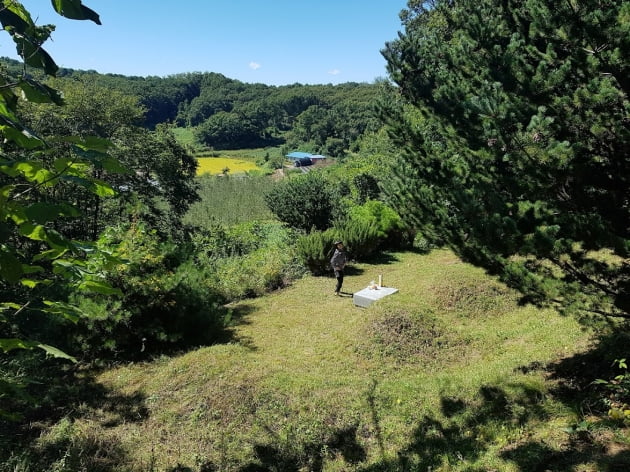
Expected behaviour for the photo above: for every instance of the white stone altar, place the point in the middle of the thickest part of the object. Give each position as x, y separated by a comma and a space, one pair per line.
367, 296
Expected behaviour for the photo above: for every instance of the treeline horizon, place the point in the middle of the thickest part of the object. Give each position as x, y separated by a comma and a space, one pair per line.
229, 114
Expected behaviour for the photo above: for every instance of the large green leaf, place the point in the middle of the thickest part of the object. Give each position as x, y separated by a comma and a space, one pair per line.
44, 212
20, 136
99, 287
54, 352
57, 241
9, 306
10, 266
16, 212
98, 187
9, 344
71, 166
14, 131
74, 10
15, 18
34, 172
36, 92
34, 232
34, 55
64, 310
51, 254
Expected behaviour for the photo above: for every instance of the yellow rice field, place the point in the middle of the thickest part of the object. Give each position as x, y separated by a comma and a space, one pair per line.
215, 165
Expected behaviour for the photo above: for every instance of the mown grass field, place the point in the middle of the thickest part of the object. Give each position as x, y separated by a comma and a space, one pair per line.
449, 374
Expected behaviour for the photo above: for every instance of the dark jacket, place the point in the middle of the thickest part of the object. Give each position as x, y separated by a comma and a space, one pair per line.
339, 259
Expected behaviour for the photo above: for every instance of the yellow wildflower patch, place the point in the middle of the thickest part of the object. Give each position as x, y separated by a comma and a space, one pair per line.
216, 165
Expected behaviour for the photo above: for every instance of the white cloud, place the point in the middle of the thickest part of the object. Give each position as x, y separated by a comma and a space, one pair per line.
254, 65
334, 72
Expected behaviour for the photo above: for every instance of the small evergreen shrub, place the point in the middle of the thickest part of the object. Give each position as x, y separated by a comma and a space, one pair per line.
166, 303
315, 250
361, 237
392, 231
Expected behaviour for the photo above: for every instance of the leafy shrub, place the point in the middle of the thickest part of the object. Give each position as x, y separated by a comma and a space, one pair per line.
303, 202
362, 238
248, 259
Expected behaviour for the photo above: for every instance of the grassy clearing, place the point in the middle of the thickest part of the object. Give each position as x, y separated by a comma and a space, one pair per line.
446, 375
185, 137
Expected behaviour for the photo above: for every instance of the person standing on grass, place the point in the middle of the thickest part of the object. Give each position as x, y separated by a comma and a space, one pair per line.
338, 262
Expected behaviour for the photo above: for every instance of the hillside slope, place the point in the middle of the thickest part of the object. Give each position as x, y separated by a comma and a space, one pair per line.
449, 373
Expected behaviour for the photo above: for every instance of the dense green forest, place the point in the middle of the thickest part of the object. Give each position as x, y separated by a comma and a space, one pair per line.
502, 134
228, 114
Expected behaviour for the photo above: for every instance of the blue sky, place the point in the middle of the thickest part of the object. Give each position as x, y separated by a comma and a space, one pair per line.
275, 42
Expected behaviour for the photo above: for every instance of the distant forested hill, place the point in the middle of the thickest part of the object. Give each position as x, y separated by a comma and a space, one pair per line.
229, 114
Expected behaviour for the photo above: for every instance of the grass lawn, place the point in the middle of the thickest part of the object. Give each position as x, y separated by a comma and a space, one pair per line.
449, 374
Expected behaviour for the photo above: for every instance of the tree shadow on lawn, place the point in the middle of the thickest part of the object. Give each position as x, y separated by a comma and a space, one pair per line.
383, 258
310, 456
44, 436
472, 428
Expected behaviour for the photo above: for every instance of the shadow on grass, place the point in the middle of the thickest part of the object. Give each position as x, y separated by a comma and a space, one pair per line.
468, 430
309, 456
238, 316
383, 258
45, 438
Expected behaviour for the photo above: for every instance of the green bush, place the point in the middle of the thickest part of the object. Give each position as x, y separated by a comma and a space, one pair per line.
361, 237
303, 202
249, 259
392, 231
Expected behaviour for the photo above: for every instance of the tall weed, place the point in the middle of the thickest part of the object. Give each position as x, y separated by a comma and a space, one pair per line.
230, 200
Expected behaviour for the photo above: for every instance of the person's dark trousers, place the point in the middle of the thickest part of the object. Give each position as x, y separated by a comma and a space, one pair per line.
339, 276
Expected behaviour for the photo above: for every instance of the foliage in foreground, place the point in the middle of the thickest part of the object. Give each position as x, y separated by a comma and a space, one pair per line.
514, 120
39, 262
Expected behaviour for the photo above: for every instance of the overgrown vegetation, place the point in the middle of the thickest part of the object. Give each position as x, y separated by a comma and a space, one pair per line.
203, 344
228, 201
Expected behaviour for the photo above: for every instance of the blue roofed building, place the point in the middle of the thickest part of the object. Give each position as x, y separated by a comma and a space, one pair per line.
304, 155
298, 155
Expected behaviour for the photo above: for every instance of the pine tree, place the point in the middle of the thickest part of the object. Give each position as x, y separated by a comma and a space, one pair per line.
514, 119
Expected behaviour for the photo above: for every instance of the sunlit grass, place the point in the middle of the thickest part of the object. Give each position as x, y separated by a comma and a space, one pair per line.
436, 374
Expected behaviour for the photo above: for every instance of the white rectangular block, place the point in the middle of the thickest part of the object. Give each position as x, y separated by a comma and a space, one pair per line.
366, 297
